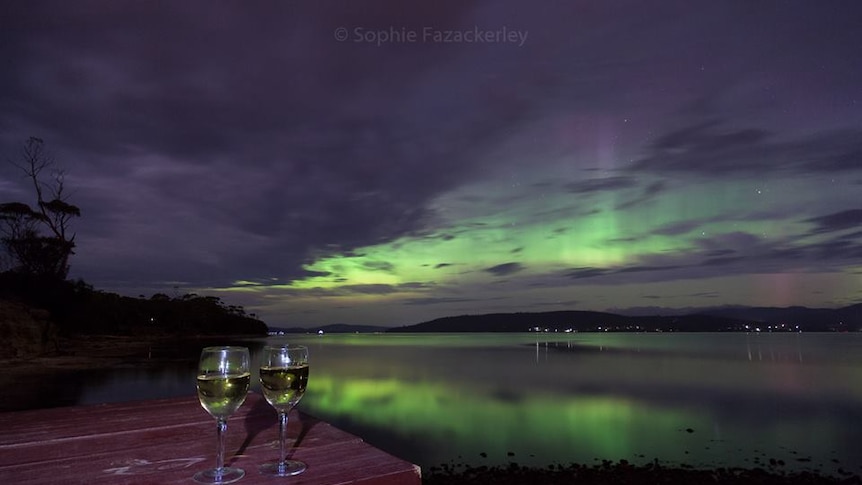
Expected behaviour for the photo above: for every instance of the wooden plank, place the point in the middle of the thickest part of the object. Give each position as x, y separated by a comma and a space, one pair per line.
167, 441
55, 423
344, 462
96, 427
170, 424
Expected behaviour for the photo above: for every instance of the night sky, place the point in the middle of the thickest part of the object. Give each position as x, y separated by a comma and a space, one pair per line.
393, 162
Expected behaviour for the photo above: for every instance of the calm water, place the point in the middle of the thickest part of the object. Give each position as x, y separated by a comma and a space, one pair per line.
702, 399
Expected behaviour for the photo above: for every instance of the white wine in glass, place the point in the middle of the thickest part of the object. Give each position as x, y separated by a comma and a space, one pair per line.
223, 381
283, 379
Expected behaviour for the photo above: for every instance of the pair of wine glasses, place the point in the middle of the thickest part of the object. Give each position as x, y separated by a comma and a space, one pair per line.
223, 380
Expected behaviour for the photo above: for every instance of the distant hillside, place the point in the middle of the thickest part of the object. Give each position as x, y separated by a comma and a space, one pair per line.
718, 320
580, 321
334, 328
812, 319
516, 322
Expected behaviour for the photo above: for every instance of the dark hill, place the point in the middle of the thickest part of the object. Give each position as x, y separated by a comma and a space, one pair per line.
580, 321
75, 308
712, 320
810, 319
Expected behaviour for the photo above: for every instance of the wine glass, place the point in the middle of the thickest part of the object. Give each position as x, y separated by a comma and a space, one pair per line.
283, 379
223, 380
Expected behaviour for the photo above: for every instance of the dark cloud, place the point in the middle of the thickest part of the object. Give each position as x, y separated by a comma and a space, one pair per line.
144, 94
722, 261
629, 239
723, 243
436, 301
601, 185
213, 143
505, 269
649, 192
645, 268
706, 136
586, 272
706, 294
306, 273
676, 228
704, 148
561, 303
415, 285
837, 221
836, 250
838, 151
352, 290
734, 253
852, 235
383, 266
714, 148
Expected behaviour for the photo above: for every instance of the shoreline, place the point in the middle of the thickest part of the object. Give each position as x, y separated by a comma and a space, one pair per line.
27, 380
623, 472
102, 350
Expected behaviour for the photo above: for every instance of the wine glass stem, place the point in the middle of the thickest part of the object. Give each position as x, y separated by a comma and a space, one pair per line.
282, 437
221, 427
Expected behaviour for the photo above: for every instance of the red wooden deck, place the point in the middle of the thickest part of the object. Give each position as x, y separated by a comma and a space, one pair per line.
167, 441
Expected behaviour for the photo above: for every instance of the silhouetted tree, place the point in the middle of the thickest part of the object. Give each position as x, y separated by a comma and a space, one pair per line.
38, 240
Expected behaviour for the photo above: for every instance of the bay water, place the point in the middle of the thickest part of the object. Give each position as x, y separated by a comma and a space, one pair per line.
784, 401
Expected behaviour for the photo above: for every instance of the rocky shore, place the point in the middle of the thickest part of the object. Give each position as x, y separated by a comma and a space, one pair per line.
624, 473
25, 331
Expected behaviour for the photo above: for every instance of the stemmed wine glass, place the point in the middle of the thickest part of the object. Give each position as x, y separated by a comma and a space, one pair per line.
283, 379
223, 380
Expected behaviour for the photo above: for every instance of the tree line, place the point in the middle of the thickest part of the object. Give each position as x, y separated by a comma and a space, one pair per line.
37, 242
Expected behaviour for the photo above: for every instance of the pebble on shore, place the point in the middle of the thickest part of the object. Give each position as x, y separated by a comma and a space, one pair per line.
623, 472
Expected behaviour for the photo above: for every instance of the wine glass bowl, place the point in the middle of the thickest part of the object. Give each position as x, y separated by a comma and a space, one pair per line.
222, 384
283, 380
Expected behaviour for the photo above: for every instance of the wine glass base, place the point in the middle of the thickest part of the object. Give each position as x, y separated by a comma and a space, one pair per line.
227, 475
290, 468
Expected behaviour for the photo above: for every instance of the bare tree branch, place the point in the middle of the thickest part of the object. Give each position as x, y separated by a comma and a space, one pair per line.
34, 252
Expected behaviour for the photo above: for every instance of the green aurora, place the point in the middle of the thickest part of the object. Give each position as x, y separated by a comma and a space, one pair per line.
636, 158
517, 248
